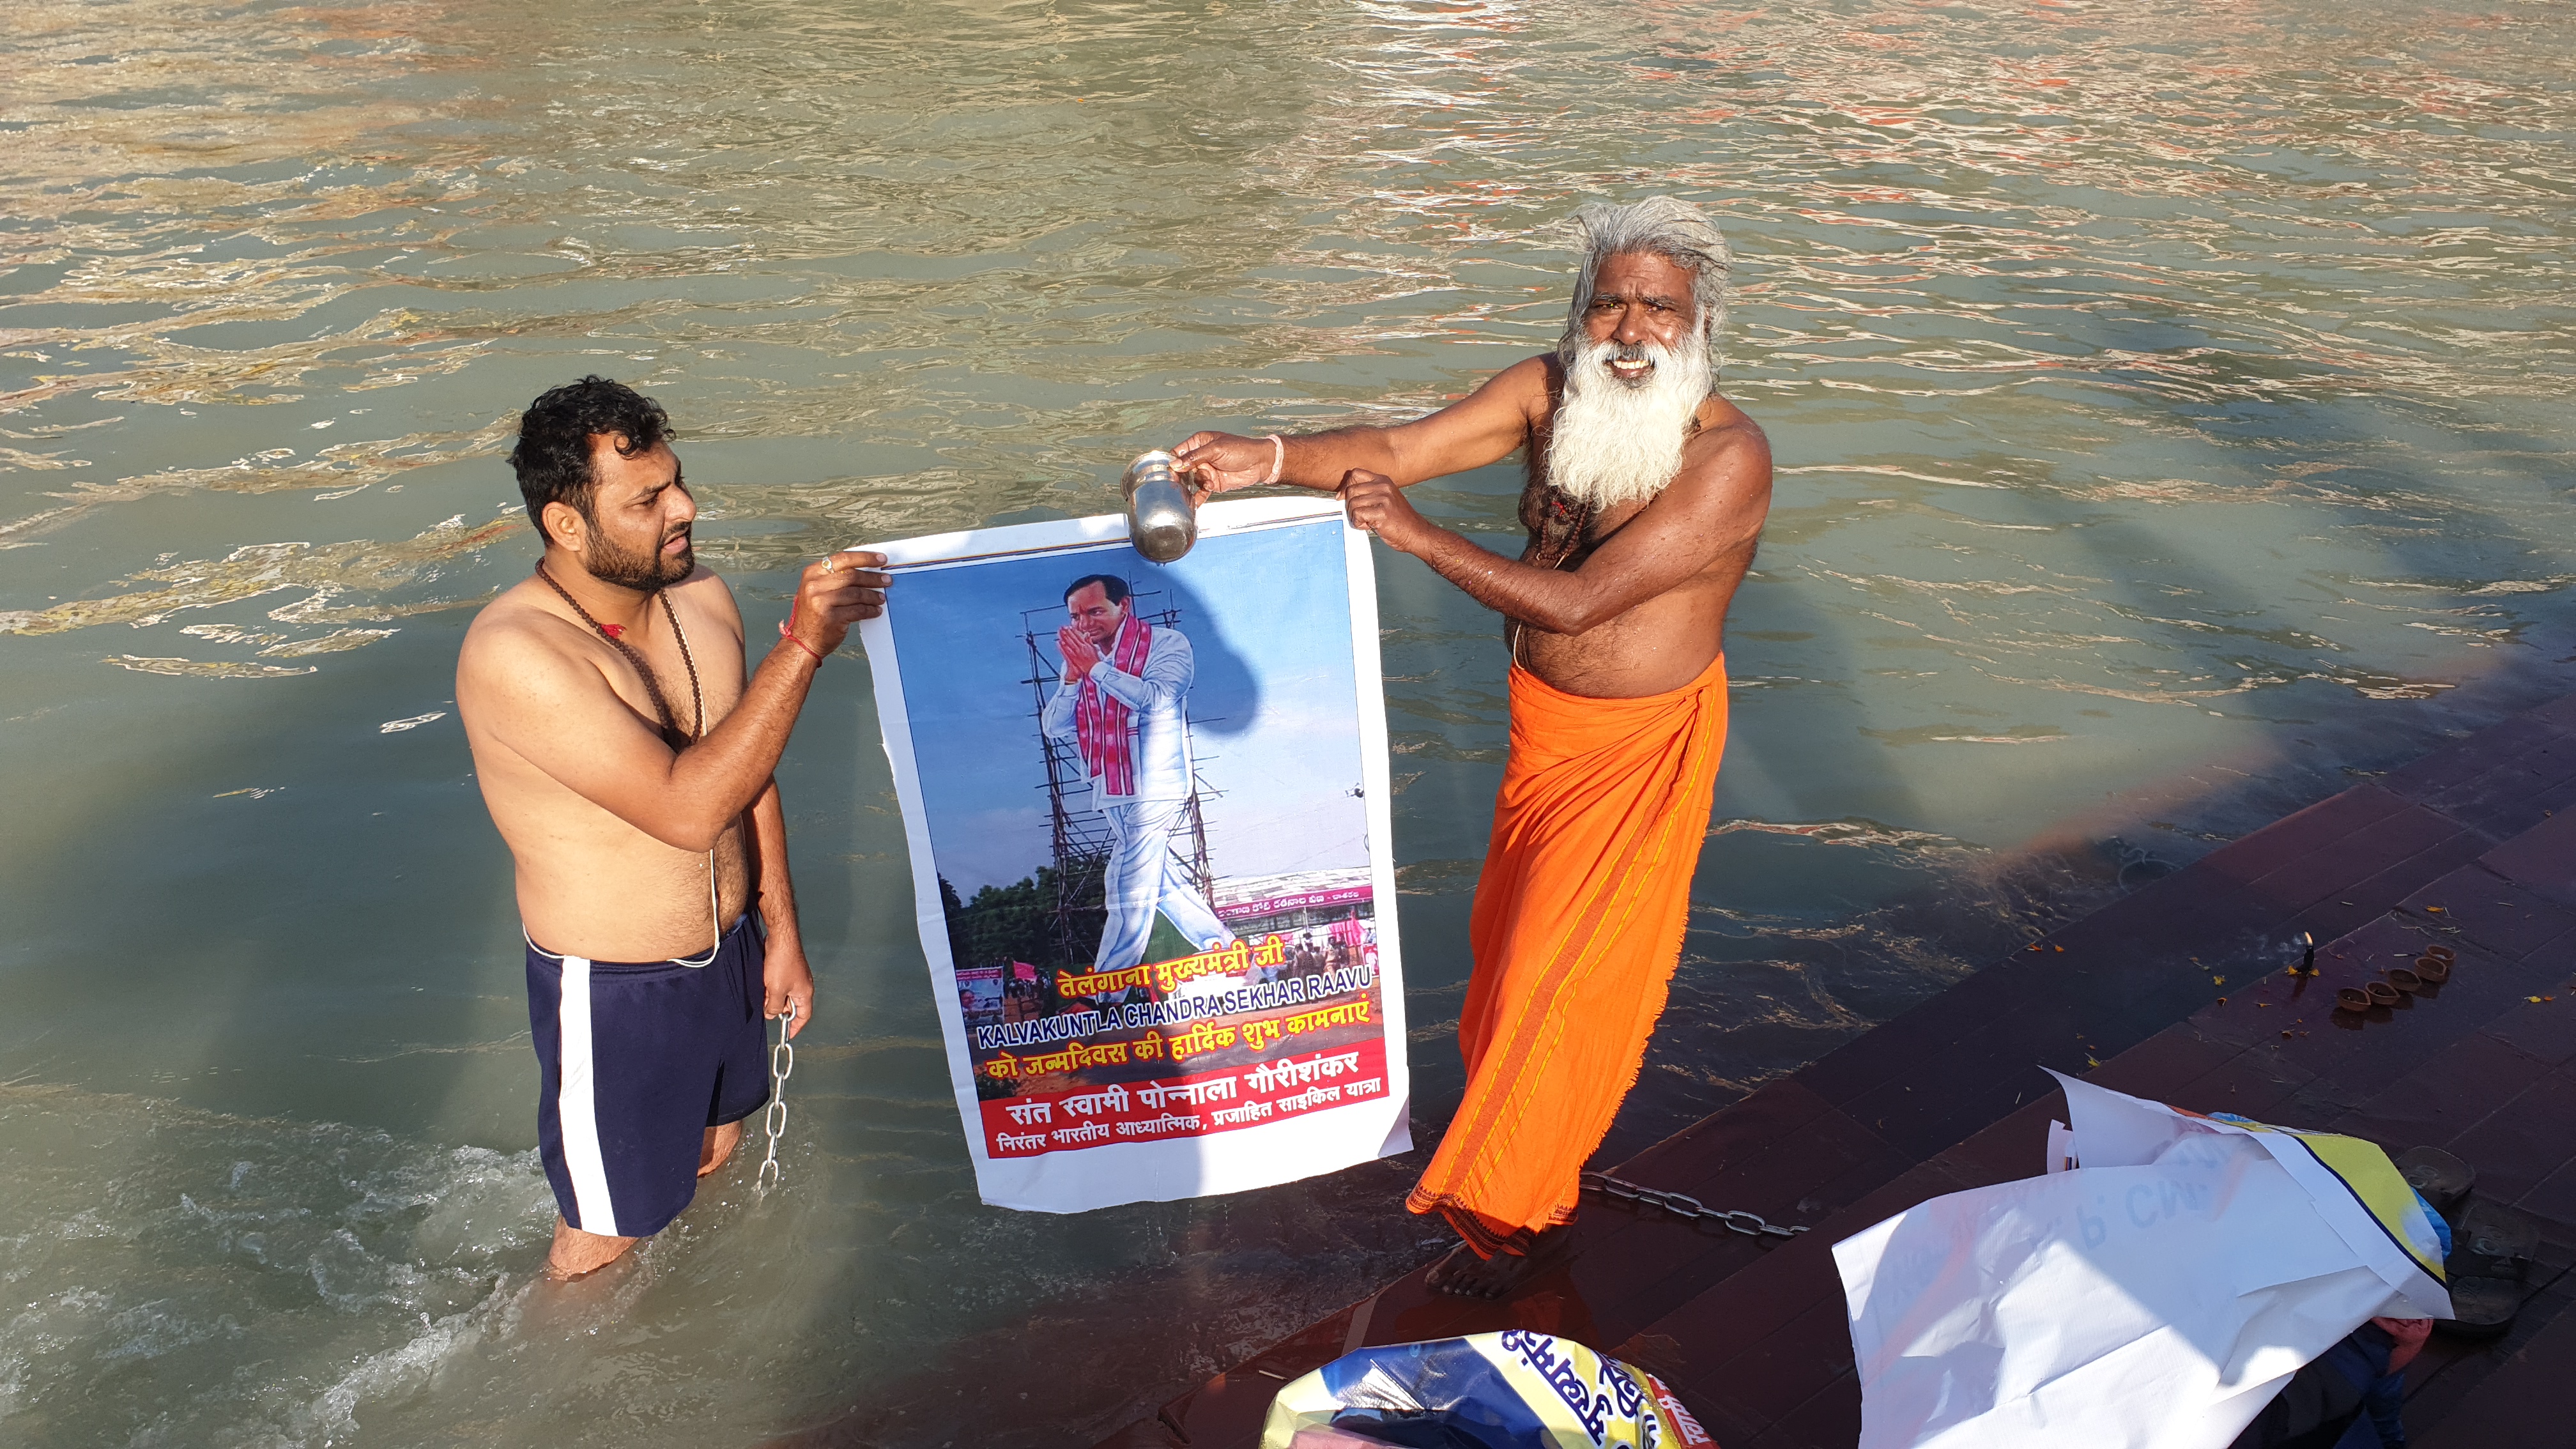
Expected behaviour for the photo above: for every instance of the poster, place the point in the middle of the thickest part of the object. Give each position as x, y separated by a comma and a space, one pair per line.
1147, 812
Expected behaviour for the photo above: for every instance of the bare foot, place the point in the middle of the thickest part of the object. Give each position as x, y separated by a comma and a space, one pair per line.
576, 1252
719, 1145
1464, 1275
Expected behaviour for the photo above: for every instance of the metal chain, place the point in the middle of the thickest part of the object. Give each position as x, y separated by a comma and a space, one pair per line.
1683, 1205
782, 1065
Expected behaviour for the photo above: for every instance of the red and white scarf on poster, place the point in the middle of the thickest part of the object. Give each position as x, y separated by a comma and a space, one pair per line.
1100, 719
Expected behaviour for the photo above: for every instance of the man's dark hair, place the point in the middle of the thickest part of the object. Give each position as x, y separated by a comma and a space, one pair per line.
1113, 587
553, 455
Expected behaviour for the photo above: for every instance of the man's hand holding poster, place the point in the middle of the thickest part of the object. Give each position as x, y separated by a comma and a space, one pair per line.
1147, 809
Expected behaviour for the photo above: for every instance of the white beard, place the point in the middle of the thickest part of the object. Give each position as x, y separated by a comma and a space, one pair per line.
1612, 442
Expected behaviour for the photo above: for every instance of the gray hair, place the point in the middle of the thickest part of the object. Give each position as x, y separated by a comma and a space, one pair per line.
1664, 226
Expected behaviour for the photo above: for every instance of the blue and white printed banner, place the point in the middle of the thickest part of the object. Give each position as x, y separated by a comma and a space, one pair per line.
1147, 811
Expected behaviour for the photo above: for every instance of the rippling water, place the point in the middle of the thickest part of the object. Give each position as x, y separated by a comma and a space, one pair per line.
2169, 401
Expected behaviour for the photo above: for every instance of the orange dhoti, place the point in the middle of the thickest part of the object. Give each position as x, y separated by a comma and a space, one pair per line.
1577, 927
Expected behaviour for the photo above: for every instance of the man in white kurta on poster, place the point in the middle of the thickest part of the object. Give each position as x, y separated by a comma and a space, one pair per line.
1123, 703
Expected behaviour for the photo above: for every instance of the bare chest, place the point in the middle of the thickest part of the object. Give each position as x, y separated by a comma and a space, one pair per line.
683, 678
1563, 530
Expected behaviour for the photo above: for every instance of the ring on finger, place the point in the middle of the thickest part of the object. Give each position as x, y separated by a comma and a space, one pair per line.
828, 561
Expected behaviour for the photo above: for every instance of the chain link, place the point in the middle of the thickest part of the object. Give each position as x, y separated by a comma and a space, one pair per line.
1683, 1205
782, 1065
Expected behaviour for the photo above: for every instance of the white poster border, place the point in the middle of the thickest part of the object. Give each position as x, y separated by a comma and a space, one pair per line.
1262, 1155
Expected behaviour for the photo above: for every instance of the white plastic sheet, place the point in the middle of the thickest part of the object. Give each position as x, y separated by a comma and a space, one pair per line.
2154, 1297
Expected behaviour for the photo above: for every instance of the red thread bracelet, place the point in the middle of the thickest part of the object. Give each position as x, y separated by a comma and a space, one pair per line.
785, 633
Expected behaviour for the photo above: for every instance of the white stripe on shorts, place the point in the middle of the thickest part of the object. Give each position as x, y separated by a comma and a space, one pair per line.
573, 1104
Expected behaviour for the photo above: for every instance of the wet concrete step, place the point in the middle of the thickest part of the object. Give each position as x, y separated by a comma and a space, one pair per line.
2479, 1068
2464, 846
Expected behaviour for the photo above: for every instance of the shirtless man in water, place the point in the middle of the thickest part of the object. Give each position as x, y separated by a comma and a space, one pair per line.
627, 763
1646, 495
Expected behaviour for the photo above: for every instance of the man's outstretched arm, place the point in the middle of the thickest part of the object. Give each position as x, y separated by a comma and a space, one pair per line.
1705, 515
1483, 427
554, 710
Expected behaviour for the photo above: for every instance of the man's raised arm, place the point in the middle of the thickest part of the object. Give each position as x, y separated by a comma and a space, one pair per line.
1483, 427
553, 708
1707, 513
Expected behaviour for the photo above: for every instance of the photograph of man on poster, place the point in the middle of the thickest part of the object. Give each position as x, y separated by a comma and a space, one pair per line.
1148, 828
1123, 704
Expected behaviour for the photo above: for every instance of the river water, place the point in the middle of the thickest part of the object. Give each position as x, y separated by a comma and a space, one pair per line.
2169, 402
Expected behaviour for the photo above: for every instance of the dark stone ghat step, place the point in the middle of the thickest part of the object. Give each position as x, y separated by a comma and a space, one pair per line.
2473, 846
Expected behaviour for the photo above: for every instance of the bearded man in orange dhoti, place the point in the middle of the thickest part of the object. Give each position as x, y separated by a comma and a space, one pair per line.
1646, 494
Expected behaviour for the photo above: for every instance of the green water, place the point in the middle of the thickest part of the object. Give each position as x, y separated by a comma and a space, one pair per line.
2169, 401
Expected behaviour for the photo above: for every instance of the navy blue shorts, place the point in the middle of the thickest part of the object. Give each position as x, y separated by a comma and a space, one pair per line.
636, 1061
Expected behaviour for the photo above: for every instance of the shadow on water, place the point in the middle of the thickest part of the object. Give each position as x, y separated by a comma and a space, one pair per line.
393, 854
255, 1157
904, 283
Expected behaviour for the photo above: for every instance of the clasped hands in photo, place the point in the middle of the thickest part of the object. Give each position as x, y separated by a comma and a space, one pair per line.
1222, 462
1078, 651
